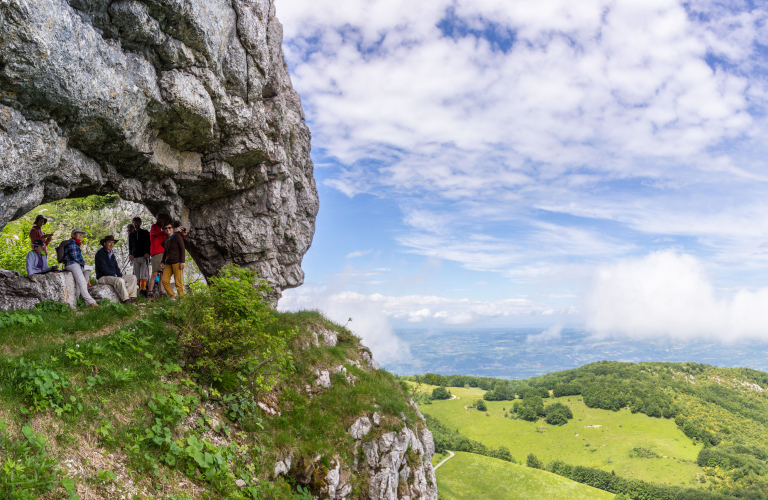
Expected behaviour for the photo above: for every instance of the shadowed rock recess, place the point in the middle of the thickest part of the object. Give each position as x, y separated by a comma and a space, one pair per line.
185, 106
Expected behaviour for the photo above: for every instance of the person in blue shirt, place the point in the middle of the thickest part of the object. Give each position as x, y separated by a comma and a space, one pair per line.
109, 273
74, 263
37, 261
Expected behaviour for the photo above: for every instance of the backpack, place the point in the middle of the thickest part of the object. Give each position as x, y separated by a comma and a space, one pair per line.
60, 251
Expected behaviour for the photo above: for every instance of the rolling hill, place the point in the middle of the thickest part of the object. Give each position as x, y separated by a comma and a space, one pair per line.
468, 476
648, 430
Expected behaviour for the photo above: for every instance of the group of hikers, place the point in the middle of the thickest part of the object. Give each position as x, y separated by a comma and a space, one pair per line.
158, 251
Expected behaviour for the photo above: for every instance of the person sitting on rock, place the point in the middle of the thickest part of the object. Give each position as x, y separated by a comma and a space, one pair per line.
108, 272
74, 263
139, 246
37, 233
156, 237
37, 261
173, 261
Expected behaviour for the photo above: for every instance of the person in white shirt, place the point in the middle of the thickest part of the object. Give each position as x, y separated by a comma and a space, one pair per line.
37, 261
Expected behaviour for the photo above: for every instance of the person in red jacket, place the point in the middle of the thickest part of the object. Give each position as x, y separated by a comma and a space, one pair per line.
156, 250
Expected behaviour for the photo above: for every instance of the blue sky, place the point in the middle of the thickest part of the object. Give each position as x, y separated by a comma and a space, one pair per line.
536, 163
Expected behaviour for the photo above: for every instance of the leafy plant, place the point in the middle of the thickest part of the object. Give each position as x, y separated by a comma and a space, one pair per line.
224, 330
44, 388
27, 470
52, 307
21, 317
173, 407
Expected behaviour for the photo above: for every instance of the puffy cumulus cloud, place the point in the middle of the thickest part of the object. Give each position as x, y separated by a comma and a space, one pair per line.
462, 97
549, 335
491, 110
412, 308
668, 294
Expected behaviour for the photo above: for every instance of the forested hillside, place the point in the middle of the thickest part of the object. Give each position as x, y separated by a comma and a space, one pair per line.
723, 410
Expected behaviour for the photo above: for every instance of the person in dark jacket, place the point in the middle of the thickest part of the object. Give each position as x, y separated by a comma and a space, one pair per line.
138, 252
108, 272
173, 261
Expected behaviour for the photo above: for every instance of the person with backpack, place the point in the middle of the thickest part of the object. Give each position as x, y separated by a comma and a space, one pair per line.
73, 262
139, 247
109, 273
156, 238
173, 261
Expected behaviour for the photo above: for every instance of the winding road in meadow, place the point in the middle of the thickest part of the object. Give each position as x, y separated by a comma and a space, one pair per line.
452, 454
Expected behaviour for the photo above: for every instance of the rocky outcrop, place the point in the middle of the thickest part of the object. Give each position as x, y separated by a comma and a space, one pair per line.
24, 292
183, 106
399, 467
103, 292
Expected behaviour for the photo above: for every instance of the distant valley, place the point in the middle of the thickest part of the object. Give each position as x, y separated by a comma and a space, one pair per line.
507, 353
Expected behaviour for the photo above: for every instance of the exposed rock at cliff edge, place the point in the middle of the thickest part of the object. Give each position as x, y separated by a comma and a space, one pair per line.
184, 106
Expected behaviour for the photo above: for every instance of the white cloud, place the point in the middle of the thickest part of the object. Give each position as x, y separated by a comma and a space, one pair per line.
368, 320
668, 294
358, 253
552, 333
606, 128
413, 308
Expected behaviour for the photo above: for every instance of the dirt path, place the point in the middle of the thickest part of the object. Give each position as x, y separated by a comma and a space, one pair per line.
452, 454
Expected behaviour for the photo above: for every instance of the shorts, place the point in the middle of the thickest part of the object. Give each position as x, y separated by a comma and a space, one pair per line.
157, 259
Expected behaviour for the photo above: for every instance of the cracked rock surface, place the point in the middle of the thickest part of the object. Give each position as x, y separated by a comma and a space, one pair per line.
185, 106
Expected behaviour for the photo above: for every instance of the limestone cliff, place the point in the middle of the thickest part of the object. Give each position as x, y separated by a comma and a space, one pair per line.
185, 106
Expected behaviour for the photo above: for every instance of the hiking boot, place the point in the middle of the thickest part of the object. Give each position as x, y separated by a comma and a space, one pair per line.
143, 293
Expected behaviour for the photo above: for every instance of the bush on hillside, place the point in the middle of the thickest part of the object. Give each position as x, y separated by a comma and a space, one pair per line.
530, 408
557, 414
533, 462
225, 332
441, 393
481, 405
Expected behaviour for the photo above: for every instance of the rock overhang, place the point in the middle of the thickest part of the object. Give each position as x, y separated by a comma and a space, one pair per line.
184, 106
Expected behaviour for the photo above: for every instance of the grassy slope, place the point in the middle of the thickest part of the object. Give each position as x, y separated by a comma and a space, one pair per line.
469, 476
612, 443
116, 415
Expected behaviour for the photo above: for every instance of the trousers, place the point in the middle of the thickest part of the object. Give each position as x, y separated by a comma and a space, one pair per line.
178, 277
125, 286
141, 268
81, 282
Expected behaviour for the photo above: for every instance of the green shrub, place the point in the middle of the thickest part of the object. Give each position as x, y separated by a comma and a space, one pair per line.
481, 405
557, 414
533, 462
441, 393
224, 332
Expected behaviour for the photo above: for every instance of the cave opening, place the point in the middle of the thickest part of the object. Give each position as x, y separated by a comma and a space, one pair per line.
98, 216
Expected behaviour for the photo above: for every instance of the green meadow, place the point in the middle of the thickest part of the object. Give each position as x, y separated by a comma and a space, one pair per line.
611, 446
469, 476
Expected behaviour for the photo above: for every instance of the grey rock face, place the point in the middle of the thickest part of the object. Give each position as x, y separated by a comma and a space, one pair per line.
323, 378
386, 465
103, 292
360, 428
24, 292
184, 106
